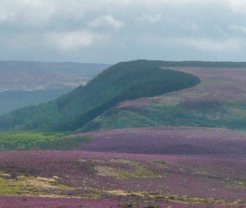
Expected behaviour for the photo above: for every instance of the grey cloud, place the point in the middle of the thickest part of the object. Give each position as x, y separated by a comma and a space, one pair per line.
110, 31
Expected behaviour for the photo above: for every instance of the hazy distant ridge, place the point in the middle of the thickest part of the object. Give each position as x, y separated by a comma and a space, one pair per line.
65, 68
206, 64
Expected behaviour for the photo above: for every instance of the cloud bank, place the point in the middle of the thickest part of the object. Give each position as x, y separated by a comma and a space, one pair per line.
109, 31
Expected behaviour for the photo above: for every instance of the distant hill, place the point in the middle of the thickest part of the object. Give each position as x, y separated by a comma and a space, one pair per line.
28, 76
217, 102
11, 100
204, 64
121, 82
25, 83
64, 68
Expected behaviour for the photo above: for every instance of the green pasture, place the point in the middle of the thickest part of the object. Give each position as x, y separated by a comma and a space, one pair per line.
41, 141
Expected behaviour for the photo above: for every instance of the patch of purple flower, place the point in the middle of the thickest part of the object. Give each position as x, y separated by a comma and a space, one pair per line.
171, 140
39, 202
197, 176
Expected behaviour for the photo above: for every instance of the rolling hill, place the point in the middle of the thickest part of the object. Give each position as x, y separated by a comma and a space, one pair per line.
217, 102
121, 82
180, 155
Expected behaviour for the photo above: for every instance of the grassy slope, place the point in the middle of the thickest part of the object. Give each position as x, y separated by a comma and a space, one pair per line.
218, 101
123, 81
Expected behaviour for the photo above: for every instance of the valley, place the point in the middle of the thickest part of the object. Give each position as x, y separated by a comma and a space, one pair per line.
24, 83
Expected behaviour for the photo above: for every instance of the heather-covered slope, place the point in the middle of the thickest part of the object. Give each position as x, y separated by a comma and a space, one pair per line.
168, 140
164, 180
218, 101
123, 81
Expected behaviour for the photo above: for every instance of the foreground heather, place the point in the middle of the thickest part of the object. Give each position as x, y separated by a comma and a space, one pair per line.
31, 202
122, 178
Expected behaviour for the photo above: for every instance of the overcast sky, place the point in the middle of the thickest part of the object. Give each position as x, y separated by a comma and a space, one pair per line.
109, 31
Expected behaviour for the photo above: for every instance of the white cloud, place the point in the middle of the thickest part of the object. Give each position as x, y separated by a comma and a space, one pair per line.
190, 26
100, 28
209, 45
237, 5
70, 41
236, 28
27, 12
106, 21
3, 15
40, 12
151, 18
74, 40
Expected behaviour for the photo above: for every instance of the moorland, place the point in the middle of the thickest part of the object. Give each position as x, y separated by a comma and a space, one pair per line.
139, 134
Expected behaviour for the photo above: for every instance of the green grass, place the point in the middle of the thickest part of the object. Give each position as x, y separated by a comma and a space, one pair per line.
228, 115
29, 186
8, 189
40, 140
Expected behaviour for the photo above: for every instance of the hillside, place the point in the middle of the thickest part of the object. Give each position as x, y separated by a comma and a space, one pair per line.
121, 82
167, 140
218, 102
11, 100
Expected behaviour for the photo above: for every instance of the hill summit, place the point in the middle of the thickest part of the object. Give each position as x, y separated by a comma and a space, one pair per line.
121, 82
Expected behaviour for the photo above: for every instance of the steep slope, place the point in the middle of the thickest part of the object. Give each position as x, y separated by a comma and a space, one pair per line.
121, 82
218, 101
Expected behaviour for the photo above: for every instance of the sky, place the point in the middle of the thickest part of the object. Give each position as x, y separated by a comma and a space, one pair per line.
110, 31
